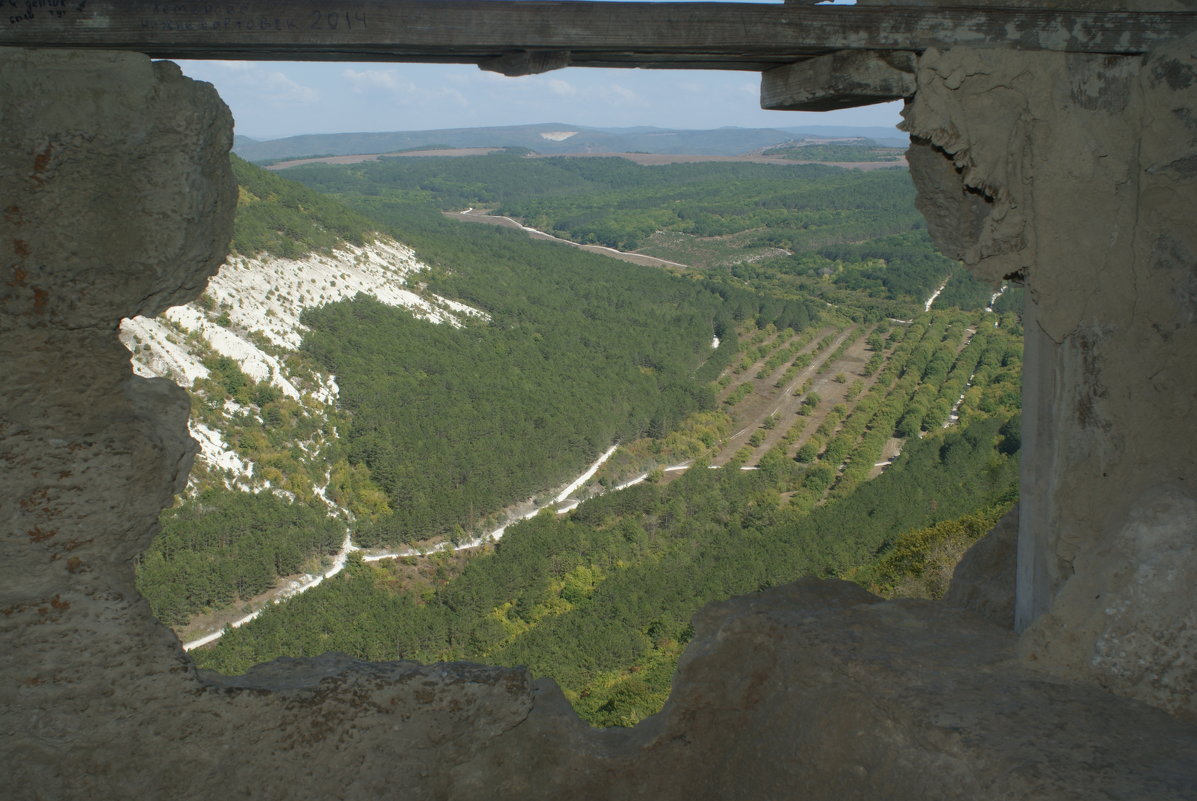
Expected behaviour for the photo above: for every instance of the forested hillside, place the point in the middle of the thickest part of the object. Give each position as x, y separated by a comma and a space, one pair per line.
784, 405
843, 150
806, 231
549, 138
615, 202
577, 351
404, 427
272, 490
456, 422
280, 217
601, 600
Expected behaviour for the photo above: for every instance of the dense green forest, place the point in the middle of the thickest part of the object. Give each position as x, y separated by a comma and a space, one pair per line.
851, 150
440, 427
280, 217
222, 546
601, 600
840, 236
454, 422
857, 436
577, 351
615, 202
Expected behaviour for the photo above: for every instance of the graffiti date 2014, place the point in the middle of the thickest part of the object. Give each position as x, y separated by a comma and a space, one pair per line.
337, 20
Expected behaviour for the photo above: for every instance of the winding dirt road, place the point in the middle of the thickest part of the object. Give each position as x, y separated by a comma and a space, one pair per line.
480, 216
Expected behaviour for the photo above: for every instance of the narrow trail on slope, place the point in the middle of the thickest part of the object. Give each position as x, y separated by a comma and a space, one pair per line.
303, 584
478, 215
934, 295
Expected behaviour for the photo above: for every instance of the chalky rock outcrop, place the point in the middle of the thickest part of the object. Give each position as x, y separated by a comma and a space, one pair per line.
1075, 173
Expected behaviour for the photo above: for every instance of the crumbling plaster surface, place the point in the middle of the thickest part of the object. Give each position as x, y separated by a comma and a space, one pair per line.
1076, 174
813, 691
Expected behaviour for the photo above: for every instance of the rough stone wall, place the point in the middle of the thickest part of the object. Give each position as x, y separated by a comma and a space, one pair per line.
1076, 175
118, 201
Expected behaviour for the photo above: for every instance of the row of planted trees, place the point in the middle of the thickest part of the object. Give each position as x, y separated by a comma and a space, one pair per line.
930, 368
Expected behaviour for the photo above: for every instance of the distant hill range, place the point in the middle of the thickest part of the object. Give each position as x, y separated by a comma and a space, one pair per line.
559, 138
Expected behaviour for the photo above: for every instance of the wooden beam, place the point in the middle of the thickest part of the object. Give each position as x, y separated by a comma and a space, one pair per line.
663, 35
843, 79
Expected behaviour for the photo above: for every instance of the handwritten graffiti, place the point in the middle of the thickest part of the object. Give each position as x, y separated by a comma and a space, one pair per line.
334, 20
194, 16
29, 9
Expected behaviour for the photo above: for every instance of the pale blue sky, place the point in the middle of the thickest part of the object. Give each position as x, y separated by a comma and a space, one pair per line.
275, 99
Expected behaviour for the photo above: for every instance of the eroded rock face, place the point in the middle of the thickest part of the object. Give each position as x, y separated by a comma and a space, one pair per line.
983, 581
834, 694
158, 228
1126, 617
813, 691
118, 199
1074, 174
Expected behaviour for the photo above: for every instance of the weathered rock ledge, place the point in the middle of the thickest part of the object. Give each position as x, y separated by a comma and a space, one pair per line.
812, 691
819, 690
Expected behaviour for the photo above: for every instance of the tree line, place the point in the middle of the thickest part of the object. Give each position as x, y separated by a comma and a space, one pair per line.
601, 599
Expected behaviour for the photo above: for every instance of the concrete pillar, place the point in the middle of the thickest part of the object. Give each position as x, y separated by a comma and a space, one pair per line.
1075, 175
1036, 580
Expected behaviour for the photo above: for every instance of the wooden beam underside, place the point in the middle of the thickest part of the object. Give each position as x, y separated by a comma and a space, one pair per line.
517, 36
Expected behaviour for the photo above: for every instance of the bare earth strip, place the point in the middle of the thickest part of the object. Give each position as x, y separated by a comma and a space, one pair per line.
762, 390
833, 392
479, 216
766, 401
829, 390
771, 342
893, 446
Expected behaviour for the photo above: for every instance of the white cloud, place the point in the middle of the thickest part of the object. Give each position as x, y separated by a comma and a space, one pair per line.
486, 76
279, 90
249, 82
402, 89
365, 80
236, 66
562, 88
619, 95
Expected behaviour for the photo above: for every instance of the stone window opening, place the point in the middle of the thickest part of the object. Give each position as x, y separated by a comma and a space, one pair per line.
118, 202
